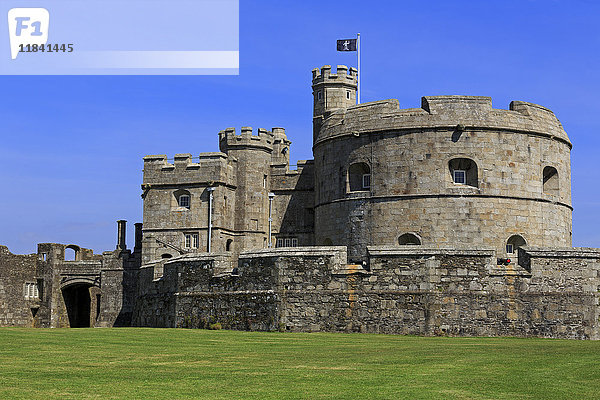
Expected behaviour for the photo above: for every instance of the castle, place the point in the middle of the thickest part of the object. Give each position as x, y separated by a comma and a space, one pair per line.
449, 219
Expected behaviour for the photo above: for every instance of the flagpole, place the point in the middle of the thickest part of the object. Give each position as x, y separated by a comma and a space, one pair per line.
358, 72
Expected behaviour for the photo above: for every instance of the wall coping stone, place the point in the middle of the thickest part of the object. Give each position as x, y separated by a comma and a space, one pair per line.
419, 250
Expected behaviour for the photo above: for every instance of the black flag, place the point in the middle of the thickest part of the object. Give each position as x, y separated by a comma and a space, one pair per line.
346, 45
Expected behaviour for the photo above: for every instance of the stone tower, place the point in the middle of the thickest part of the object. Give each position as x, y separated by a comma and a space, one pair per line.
253, 158
455, 172
332, 91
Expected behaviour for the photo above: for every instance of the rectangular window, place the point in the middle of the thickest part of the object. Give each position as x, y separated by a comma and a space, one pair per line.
287, 242
265, 181
31, 291
510, 249
184, 201
347, 95
44, 256
460, 176
319, 95
366, 181
191, 240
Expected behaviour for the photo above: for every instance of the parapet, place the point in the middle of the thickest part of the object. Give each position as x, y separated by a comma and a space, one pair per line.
342, 75
261, 139
184, 168
441, 104
442, 112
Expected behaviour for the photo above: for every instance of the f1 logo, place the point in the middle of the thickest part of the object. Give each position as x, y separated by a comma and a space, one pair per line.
27, 26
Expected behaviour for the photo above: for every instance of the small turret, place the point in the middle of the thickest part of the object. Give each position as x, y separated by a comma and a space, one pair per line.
331, 92
229, 140
281, 148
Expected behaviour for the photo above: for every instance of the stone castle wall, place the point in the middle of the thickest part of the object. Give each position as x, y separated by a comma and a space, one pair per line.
410, 290
15, 272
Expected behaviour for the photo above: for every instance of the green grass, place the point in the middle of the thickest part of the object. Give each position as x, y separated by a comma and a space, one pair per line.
184, 364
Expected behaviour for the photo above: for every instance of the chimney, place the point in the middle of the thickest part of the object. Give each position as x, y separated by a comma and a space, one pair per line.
138, 237
122, 229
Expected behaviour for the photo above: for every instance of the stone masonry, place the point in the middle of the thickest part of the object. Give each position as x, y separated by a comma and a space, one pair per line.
449, 219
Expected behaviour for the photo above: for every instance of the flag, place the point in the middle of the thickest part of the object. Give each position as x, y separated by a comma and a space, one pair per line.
346, 45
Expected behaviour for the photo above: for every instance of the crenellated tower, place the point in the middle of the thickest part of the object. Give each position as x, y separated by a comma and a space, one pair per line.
252, 154
332, 91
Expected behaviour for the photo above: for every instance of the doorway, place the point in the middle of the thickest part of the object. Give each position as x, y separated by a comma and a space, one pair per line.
78, 303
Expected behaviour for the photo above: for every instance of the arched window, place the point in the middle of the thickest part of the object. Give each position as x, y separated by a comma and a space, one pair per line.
464, 171
550, 177
182, 198
228, 244
513, 243
359, 177
72, 253
409, 239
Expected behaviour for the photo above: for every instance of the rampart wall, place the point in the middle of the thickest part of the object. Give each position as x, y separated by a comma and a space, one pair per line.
407, 290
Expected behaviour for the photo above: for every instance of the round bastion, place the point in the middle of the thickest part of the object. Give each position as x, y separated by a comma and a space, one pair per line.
453, 173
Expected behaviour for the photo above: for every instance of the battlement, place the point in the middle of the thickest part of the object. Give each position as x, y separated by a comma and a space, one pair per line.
342, 75
260, 139
443, 112
184, 168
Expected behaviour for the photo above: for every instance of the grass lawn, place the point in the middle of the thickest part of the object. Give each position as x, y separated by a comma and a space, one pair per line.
139, 363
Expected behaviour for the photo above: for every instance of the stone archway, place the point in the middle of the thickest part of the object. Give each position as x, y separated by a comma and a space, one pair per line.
82, 302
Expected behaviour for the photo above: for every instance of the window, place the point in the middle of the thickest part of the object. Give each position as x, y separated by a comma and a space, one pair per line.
409, 239
166, 255
460, 176
319, 95
348, 95
286, 242
359, 177
463, 171
514, 242
31, 291
72, 253
181, 199
44, 256
191, 240
265, 181
366, 181
550, 179
184, 201
228, 245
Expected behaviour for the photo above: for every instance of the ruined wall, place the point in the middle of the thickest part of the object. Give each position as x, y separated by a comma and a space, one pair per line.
402, 290
91, 290
15, 271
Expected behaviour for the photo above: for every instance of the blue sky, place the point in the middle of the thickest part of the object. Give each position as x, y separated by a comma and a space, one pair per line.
72, 147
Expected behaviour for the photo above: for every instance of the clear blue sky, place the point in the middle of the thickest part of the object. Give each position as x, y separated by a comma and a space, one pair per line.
72, 147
